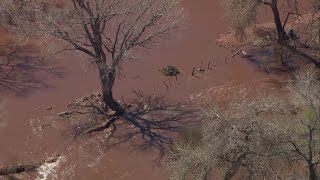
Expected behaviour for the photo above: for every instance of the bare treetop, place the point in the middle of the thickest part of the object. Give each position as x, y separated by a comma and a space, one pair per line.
241, 13
117, 25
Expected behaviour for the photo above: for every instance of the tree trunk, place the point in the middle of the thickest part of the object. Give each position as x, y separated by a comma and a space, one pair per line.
231, 171
107, 77
282, 36
311, 165
312, 172
279, 52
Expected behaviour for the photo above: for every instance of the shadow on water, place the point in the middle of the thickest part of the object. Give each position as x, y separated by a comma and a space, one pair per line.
154, 127
150, 123
22, 71
265, 59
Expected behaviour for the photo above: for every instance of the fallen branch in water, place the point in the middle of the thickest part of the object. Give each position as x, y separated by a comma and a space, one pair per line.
244, 54
102, 126
236, 53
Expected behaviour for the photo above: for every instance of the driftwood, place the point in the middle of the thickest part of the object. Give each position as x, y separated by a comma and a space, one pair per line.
25, 167
236, 53
102, 126
244, 54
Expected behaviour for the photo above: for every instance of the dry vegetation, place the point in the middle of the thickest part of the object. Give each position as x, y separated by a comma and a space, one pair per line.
241, 14
260, 138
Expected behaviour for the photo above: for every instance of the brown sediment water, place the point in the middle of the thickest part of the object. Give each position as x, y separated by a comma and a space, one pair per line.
70, 77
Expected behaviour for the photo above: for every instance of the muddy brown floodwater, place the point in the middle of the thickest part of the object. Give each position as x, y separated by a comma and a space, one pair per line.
58, 82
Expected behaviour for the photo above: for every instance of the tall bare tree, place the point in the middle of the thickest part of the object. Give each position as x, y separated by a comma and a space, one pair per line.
106, 31
304, 139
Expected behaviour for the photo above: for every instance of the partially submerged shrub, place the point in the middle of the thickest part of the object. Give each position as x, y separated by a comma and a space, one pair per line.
192, 136
188, 139
170, 70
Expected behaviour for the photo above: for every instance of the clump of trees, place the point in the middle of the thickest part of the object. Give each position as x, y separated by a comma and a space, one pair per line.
263, 138
233, 139
105, 31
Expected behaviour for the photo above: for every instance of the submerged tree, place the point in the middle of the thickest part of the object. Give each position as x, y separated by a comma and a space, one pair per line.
106, 31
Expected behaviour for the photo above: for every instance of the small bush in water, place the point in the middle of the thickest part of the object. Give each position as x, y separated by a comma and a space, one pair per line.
170, 70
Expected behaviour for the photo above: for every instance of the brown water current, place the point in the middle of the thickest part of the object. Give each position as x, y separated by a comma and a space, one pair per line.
53, 84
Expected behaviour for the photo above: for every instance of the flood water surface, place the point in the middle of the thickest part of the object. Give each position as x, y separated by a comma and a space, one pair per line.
29, 133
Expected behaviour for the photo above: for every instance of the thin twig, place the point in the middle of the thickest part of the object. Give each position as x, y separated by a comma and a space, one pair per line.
165, 84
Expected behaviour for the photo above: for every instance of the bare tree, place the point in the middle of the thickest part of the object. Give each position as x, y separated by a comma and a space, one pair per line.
305, 135
237, 138
106, 31
313, 26
242, 13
